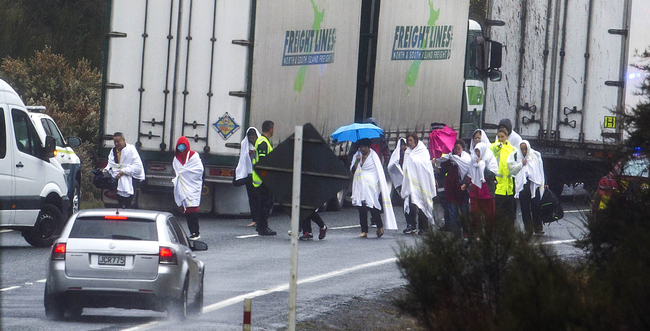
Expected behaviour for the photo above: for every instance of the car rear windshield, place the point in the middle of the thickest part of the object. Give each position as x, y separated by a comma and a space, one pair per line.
637, 168
100, 228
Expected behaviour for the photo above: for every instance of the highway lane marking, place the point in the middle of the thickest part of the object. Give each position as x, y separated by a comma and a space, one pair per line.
284, 287
5, 231
577, 211
332, 228
9, 288
248, 236
41, 280
557, 242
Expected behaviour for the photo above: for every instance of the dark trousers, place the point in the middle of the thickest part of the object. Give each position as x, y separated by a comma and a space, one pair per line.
504, 210
422, 219
482, 208
192, 223
253, 201
530, 209
125, 202
363, 217
265, 200
305, 224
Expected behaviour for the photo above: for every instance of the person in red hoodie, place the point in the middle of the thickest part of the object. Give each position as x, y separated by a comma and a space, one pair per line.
482, 174
188, 184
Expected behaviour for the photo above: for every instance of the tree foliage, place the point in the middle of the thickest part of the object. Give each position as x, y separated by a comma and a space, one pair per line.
73, 28
71, 95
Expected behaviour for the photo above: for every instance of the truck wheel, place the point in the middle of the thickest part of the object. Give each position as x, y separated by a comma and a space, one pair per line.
54, 307
48, 225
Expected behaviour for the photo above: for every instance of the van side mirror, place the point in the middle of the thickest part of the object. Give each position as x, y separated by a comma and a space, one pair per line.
495, 75
73, 141
50, 147
496, 49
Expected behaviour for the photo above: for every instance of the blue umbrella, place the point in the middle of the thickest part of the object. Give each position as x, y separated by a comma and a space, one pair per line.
357, 131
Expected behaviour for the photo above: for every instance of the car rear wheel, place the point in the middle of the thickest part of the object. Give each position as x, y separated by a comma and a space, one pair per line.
197, 305
48, 225
74, 311
178, 307
54, 307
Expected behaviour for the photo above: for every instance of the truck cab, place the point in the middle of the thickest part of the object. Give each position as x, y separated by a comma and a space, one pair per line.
34, 197
65, 155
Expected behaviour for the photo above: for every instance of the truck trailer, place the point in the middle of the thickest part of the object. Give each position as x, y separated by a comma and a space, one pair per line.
568, 79
209, 69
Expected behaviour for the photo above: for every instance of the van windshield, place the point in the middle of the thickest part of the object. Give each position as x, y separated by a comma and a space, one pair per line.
100, 228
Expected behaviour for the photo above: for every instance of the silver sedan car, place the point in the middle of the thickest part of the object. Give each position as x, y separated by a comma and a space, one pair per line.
132, 259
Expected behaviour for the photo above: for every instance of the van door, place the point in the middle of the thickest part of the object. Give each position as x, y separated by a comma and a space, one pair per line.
29, 169
6, 174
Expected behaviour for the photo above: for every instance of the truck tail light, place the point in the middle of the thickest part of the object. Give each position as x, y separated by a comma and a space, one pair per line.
166, 256
58, 252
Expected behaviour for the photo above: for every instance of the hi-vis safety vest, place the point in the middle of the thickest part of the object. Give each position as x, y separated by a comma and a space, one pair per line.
257, 181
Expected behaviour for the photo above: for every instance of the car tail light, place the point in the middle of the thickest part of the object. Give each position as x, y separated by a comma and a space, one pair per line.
166, 256
58, 252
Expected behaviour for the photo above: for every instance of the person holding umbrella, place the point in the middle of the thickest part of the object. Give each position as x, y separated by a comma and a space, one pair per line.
368, 183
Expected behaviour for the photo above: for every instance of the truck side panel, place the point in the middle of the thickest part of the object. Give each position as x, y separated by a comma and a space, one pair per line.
420, 61
305, 64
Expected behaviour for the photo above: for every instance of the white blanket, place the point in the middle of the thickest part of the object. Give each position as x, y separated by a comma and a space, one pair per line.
394, 168
245, 164
532, 172
419, 182
514, 139
488, 161
131, 167
484, 139
370, 180
463, 161
188, 182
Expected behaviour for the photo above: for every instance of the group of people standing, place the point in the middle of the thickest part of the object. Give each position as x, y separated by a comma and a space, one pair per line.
482, 184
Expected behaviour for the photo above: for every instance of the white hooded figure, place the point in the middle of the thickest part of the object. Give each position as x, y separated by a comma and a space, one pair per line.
124, 163
396, 163
479, 136
532, 171
188, 182
245, 164
368, 182
487, 161
419, 183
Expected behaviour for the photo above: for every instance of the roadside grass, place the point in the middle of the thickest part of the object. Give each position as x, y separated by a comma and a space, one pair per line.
91, 204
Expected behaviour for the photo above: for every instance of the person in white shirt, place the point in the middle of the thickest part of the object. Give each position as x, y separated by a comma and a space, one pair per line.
125, 165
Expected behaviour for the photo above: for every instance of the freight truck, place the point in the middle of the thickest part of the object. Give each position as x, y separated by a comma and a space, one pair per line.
568, 79
210, 69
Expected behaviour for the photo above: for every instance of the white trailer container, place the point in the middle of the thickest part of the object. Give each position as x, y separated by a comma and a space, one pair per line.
566, 65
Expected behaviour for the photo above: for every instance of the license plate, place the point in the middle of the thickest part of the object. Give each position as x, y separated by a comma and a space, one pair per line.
111, 260
550, 151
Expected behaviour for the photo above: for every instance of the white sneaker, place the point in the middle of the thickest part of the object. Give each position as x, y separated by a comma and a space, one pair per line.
194, 237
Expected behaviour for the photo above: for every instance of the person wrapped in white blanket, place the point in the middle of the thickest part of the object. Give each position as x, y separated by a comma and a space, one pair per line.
368, 183
244, 170
418, 185
396, 164
527, 166
125, 165
188, 184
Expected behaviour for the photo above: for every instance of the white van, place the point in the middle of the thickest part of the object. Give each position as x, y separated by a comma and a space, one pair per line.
65, 155
33, 191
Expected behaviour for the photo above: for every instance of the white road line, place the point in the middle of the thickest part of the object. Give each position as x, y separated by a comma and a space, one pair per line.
28, 283
5, 231
344, 227
9, 288
577, 211
556, 242
248, 236
284, 287
41, 280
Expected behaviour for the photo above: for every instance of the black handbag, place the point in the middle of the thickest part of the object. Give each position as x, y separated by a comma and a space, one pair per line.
104, 180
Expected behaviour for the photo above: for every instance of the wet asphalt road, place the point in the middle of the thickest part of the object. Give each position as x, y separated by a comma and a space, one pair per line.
332, 271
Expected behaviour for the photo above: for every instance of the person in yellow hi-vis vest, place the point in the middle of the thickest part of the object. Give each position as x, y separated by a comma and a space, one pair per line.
504, 195
261, 193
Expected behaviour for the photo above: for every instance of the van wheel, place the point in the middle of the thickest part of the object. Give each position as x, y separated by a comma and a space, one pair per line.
76, 197
48, 224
